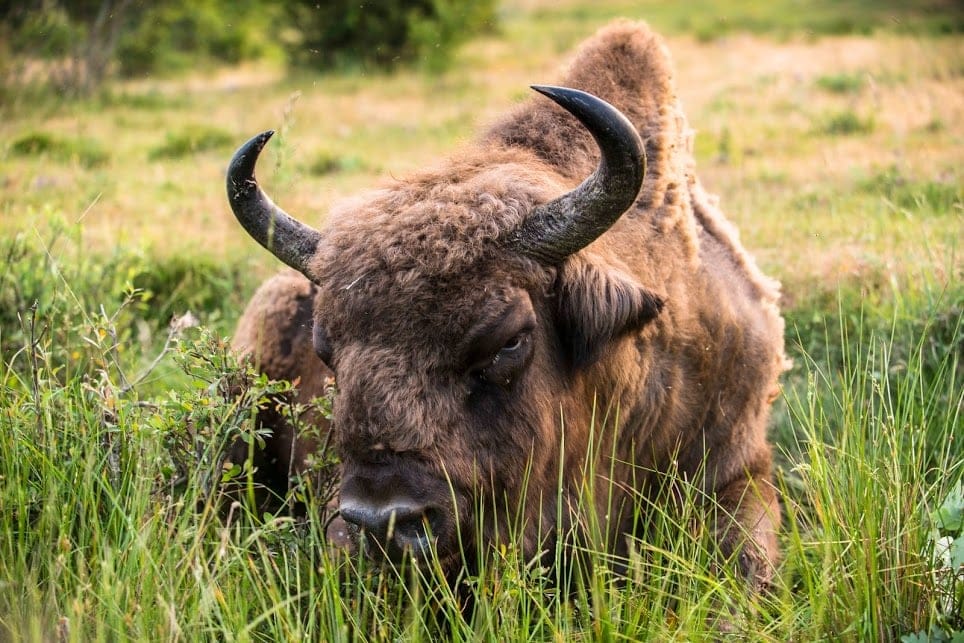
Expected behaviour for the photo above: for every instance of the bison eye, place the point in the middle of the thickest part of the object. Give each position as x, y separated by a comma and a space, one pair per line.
515, 343
501, 368
319, 338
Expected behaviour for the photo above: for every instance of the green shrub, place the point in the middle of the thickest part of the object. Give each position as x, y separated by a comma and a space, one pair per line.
384, 34
841, 83
54, 291
176, 35
85, 151
845, 123
328, 163
48, 33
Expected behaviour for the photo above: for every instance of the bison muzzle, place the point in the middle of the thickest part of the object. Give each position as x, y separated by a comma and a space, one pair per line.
560, 298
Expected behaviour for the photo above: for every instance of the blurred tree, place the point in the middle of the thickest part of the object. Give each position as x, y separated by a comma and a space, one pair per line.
383, 33
80, 42
173, 35
77, 38
73, 45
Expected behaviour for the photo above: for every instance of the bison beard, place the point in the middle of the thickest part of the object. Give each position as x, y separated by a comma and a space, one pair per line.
480, 315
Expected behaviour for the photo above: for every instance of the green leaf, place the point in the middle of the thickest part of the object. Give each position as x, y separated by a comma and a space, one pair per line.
230, 473
916, 637
957, 553
950, 515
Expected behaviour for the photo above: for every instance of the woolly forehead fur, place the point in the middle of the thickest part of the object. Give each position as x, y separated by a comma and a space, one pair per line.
431, 246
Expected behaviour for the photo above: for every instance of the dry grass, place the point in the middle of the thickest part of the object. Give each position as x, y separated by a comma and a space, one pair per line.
756, 103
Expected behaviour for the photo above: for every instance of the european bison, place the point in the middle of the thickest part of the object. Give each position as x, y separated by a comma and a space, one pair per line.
482, 316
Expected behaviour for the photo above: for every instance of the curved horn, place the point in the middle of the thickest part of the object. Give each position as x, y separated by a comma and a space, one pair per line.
557, 229
285, 237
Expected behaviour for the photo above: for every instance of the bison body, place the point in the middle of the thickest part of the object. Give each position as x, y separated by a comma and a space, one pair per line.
487, 357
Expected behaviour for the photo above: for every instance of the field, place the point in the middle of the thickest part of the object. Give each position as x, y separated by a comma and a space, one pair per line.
835, 139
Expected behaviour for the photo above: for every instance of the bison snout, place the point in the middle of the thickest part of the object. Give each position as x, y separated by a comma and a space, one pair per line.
395, 527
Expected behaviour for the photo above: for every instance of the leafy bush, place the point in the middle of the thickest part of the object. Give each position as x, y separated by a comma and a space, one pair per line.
330, 163
83, 41
85, 151
842, 83
53, 293
383, 34
845, 123
176, 35
47, 33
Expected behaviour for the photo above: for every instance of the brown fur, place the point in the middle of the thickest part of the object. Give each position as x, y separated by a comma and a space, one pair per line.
664, 322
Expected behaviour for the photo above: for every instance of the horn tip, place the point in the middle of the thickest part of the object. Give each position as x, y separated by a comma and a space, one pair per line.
264, 137
546, 90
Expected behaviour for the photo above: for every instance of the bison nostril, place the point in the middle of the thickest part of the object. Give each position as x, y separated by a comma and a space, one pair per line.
396, 526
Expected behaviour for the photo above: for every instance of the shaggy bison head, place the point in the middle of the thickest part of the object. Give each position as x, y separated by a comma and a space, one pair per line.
456, 315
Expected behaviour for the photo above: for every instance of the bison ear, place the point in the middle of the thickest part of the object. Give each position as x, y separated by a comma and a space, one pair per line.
597, 305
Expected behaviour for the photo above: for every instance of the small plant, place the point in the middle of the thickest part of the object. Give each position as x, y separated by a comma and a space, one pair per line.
327, 163
947, 538
85, 151
845, 123
843, 83
344, 33
211, 427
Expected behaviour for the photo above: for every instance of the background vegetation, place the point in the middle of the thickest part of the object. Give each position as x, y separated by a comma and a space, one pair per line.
75, 45
833, 133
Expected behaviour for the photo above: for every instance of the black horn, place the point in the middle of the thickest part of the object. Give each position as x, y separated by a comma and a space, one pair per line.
557, 229
285, 237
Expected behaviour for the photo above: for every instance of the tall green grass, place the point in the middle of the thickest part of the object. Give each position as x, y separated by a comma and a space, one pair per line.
115, 522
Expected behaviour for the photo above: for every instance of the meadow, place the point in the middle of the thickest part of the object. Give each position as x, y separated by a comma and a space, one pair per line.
834, 136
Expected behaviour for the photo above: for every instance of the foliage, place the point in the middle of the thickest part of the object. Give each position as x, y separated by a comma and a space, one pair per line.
844, 83
77, 39
384, 34
844, 123
175, 35
947, 538
85, 151
54, 293
82, 42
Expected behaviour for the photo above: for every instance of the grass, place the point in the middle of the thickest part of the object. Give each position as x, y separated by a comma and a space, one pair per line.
845, 123
110, 526
190, 141
868, 459
842, 83
88, 153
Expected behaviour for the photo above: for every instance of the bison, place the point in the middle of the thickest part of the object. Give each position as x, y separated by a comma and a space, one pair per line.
482, 317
